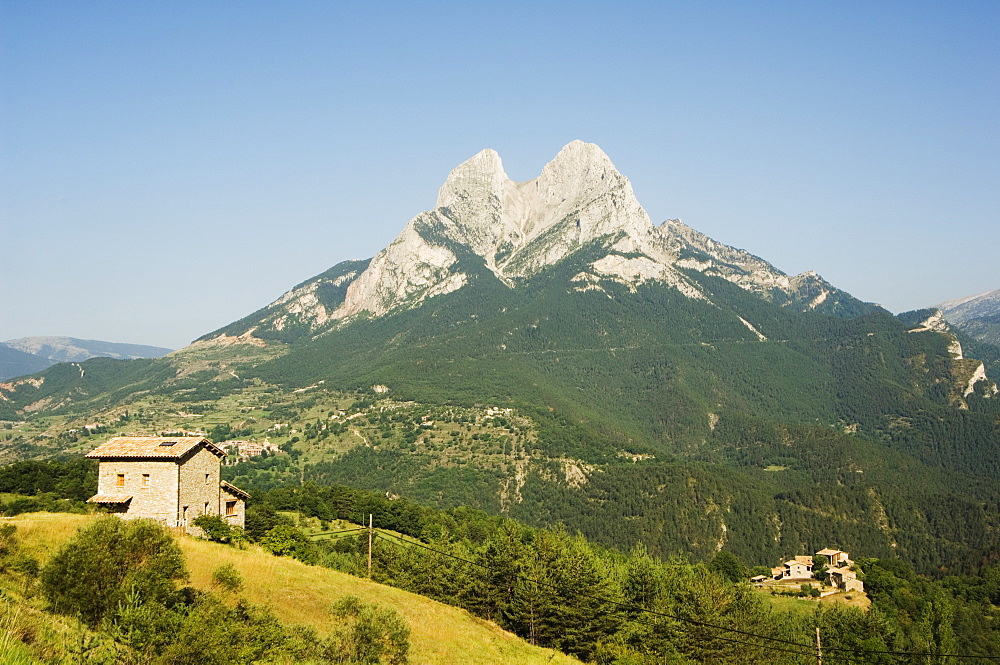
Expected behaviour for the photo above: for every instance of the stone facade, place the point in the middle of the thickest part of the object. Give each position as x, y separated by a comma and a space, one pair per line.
233, 504
199, 492
170, 479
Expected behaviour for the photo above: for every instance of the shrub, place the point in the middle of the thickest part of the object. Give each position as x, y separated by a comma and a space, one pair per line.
285, 540
373, 634
214, 634
227, 577
108, 559
218, 530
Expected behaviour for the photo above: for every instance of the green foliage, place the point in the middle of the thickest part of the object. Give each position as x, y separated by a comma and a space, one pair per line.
91, 574
260, 519
372, 634
226, 577
214, 634
728, 566
819, 567
285, 540
217, 529
74, 478
562, 591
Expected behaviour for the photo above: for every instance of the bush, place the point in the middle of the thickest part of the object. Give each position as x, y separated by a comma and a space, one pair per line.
285, 540
109, 559
373, 634
227, 577
214, 634
218, 530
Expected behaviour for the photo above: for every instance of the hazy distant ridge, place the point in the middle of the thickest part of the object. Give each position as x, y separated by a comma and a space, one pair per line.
978, 315
27, 355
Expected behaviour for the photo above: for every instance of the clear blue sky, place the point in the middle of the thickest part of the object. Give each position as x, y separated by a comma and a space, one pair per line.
169, 167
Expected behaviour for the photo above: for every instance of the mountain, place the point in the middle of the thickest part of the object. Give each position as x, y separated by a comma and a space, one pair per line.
14, 362
71, 349
544, 350
486, 226
977, 316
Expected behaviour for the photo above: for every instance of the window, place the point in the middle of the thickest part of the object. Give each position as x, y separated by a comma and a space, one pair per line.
206, 478
145, 480
120, 480
230, 508
206, 508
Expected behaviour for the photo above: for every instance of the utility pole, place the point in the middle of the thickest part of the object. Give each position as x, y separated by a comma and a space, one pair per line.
819, 649
370, 548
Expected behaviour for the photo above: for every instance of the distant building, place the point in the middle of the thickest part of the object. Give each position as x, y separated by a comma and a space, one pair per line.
169, 479
839, 572
835, 558
248, 449
801, 567
846, 579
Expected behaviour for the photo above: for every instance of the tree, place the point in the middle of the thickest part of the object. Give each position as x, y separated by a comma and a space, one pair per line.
728, 566
819, 567
284, 540
107, 560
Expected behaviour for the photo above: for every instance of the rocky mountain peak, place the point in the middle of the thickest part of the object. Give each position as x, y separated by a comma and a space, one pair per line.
481, 175
579, 200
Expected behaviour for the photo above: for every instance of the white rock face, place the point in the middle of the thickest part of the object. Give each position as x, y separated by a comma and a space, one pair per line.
742, 268
935, 322
519, 228
979, 375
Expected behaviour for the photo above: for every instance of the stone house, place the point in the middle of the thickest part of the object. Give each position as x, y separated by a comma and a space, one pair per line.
845, 578
801, 567
835, 558
170, 479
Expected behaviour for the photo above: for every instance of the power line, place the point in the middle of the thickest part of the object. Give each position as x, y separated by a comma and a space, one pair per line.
858, 653
336, 534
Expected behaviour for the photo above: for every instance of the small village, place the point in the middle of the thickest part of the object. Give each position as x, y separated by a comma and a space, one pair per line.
826, 573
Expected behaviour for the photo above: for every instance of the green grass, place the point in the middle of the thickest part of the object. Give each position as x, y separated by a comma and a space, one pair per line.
805, 606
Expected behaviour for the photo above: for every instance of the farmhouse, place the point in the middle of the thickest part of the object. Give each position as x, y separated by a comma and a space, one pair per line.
798, 568
169, 479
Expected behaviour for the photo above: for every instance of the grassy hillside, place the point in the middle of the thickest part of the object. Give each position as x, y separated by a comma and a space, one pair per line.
301, 594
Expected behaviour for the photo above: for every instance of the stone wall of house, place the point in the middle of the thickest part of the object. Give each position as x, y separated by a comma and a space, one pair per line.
152, 484
238, 518
200, 477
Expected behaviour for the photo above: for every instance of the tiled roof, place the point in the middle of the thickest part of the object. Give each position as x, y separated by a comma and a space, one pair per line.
157, 447
110, 498
234, 490
828, 552
844, 570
